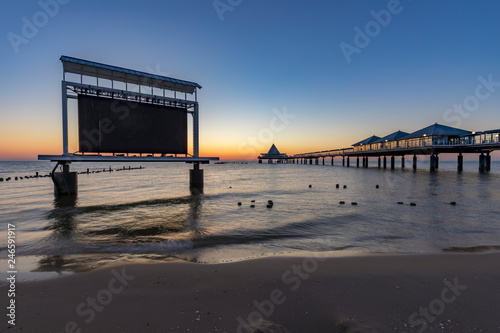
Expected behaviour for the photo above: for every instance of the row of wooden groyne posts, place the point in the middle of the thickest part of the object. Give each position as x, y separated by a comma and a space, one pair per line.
38, 175
432, 141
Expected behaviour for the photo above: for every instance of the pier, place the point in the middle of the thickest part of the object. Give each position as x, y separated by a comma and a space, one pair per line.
432, 141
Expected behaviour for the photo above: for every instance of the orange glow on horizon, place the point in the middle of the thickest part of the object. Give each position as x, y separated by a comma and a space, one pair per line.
22, 146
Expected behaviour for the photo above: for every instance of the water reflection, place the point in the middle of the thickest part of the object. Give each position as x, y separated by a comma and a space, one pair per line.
65, 201
92, 236
64, 224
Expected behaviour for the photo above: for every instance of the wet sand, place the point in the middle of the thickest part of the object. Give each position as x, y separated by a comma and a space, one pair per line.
452, 292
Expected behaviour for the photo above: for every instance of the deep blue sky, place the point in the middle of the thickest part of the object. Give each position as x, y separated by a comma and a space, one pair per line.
263, 56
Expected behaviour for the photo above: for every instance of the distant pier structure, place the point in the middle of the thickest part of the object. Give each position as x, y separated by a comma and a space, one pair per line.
274, 155
432, 140
126, 115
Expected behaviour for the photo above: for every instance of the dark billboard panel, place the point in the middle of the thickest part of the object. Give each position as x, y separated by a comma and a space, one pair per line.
108, 125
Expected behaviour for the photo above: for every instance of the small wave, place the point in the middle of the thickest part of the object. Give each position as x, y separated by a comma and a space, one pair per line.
472, 249
234, 239
379, 237
69, 248
73, 211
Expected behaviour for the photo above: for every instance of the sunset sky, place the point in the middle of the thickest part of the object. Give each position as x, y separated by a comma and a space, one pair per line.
305, 75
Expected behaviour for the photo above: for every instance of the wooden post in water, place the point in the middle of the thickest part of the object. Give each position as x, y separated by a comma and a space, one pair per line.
385, 162
488, 162
347, 161
379, 162
482, 162
414, 162
392, 162
357, 162
432, 161
403, 162
460, 162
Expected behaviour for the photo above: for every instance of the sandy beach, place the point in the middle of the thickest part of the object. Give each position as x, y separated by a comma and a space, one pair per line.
432, 292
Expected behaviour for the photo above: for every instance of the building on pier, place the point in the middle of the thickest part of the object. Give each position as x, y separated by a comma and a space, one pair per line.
389, 141
273, 155
366, 144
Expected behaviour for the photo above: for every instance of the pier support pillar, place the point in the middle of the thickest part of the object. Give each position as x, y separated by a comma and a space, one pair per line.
65, 182
196, 177
432, 163
385, 162
460, 162
379, 162
348, 161
437, 161
366, 162
343, 160
414, 162
357, 162
317, 161
488, 162
323, 161
392, 162
260, 161
332, 160
403, 162
482, 162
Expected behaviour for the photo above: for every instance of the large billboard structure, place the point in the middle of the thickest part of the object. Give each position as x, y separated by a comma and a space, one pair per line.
126, 113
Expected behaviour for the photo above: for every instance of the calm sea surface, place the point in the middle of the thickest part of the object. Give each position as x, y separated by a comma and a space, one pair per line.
151, 215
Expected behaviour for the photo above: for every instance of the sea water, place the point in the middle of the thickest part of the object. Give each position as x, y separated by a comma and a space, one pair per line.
150, 214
